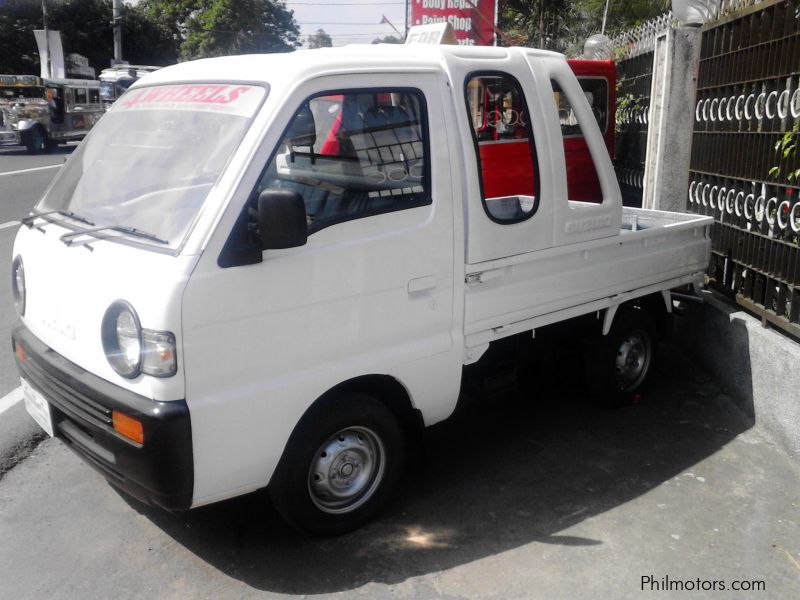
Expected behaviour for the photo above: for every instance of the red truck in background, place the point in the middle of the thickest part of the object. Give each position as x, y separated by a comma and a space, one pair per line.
500, 119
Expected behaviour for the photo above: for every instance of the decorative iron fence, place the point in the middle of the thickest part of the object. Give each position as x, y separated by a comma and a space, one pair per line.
745, 163
634, 78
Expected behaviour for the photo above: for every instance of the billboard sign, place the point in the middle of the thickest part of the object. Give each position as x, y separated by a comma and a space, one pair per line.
472, 20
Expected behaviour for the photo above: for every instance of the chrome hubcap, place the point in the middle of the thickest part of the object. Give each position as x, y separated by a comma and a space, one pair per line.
346, 470
633, 360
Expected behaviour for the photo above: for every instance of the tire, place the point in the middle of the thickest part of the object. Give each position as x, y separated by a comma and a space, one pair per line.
340, 465
619, 363
36, 141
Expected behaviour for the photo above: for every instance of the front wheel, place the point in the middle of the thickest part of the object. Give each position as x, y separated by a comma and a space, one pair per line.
340, 465
36, 141
619, 363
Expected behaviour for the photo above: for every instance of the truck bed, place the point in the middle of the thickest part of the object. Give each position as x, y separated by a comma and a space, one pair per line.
653, 251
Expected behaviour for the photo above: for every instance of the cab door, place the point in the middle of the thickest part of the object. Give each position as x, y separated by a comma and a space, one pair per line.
587, 201
505, 157
371, 292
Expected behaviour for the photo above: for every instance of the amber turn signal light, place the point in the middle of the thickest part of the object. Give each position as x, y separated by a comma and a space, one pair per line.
128, 427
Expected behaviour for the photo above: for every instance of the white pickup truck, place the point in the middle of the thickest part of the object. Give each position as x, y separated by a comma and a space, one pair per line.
272, 271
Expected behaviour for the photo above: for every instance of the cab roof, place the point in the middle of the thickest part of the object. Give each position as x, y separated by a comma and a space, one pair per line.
284, 68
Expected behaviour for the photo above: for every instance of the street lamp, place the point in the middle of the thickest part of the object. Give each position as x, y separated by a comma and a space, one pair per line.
693, 12
597, 47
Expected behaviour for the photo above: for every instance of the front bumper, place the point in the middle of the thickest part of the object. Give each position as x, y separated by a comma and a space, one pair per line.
10, 137
158, 472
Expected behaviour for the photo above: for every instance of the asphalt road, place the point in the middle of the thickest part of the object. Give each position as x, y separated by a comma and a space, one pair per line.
23, 180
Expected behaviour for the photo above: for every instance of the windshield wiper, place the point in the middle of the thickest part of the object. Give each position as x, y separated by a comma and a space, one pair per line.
68, 238
31, 219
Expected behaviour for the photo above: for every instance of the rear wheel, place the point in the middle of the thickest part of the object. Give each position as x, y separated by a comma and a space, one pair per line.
339, 466
36, 140
619, 363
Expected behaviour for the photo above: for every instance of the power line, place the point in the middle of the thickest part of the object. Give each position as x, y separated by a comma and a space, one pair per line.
335, 23
335, 4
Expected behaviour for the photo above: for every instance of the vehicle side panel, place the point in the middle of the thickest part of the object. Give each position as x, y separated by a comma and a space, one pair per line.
373, 295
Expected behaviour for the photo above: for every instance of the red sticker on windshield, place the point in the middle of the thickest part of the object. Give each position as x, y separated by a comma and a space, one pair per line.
241, 100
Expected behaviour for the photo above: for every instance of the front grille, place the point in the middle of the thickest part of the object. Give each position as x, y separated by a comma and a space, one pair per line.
159, 473
68, 400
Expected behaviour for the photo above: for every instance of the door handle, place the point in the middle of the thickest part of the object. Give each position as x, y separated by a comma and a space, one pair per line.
421, 284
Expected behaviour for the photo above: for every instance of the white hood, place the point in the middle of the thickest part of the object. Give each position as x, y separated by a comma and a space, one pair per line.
69, 288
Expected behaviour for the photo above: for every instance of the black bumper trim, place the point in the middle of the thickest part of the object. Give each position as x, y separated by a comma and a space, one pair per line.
159, 472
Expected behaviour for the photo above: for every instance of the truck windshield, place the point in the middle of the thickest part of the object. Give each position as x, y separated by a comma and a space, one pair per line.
151, 161
107, 91
13, 93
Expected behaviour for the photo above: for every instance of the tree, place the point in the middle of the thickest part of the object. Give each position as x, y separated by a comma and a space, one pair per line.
563, 26
86, 29
144, 41
319, 40
18, 51
205, 28
538, 23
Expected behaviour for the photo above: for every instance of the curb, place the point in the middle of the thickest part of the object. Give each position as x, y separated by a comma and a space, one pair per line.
758, 366
19, 436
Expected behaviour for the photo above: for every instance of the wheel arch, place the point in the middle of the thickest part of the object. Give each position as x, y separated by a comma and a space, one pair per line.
383, 388
659, 307
387, 390
655, 305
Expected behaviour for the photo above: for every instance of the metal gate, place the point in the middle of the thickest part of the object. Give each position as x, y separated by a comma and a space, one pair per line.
745, 160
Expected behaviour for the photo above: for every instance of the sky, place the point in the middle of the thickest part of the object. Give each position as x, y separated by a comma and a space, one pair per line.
348, 21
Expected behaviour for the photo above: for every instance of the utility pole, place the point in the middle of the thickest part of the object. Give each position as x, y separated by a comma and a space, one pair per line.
46, 39
116, 14
541, 23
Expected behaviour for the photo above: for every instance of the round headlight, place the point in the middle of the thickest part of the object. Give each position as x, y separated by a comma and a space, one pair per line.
18, 285
122, 339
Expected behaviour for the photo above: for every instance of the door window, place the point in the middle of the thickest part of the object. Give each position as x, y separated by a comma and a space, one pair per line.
354, 154
596, 91
80, 96
504, 145
583, 183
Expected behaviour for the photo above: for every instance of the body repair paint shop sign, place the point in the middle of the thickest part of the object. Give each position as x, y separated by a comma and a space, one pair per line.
472, 20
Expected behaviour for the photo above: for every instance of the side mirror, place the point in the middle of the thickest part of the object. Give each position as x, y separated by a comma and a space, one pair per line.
281, 219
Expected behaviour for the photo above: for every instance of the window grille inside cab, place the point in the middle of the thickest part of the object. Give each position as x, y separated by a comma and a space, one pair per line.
353, 154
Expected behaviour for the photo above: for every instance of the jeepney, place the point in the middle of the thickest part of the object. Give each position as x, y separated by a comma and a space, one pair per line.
38, 113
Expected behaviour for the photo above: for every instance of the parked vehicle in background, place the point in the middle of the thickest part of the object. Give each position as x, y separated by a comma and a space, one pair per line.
116, 80
598, 80
509, 162
37, 113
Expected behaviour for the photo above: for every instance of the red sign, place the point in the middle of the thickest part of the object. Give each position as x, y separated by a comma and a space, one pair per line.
472, 20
